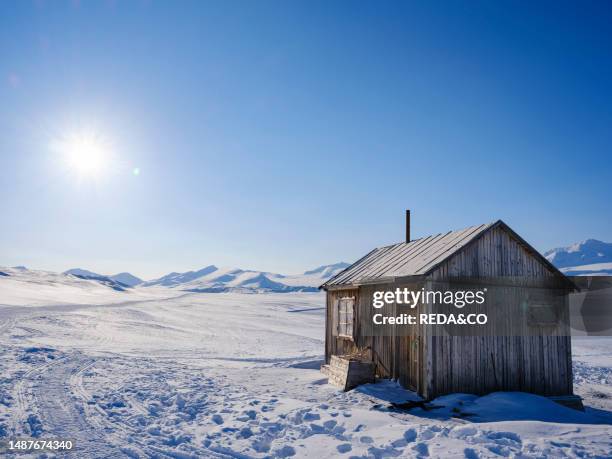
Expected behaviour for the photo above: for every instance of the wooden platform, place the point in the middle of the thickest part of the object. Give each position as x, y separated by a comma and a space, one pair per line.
347, 373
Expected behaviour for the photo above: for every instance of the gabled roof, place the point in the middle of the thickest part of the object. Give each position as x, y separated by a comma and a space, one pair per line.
419, 257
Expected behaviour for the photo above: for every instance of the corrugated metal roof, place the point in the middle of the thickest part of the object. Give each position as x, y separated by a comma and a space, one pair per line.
414, 258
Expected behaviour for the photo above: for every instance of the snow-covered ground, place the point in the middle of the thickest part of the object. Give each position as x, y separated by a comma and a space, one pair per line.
157, 372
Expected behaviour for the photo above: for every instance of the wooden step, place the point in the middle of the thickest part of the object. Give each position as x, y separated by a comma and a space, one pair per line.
347, 373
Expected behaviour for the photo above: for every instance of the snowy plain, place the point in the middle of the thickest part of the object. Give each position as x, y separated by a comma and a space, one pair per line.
159, 372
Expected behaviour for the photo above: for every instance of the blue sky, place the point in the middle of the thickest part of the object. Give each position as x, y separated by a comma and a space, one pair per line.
281, 135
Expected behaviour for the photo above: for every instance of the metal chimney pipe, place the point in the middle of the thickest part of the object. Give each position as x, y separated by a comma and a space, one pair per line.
407, 226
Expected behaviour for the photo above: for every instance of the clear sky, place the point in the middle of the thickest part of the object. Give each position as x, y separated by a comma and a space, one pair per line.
281, 135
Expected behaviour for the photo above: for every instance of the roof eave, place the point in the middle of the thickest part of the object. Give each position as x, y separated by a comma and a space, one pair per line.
347, 286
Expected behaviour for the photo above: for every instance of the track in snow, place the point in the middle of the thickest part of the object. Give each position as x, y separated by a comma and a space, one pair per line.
45, 392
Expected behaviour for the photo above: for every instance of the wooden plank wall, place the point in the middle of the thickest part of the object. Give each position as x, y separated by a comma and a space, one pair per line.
476, 364
494, 254
379, 349
383, 348
508, 360
397, 356
483, 364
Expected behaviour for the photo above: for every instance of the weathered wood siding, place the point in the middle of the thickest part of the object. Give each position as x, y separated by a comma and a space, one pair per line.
483, 364
510, 360
378, 349
436, 365
494, 254
398, 356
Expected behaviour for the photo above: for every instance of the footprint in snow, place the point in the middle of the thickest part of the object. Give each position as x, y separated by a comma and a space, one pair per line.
329, 425
217, 419
261, 446
426, 434
505, 438
285, 451
499, 450
463, 432
410, 435
401, 443
380, 453
421, 449
245, 432
316, 429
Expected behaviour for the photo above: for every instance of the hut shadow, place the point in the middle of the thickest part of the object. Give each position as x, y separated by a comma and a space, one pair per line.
389, 393
500, 407
308, 365
604, 415
306, 309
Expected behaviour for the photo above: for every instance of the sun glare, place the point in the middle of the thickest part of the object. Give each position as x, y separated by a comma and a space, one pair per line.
85, 153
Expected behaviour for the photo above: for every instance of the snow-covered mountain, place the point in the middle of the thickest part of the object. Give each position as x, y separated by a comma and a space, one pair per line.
104, 280
122, 279
209, 279
30, 287
214, 279
590, 257
82, 273
126, 279
173, 279
327, 271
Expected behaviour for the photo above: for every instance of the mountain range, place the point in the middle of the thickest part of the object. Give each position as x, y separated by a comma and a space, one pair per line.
213, 279
590, 257
120, 280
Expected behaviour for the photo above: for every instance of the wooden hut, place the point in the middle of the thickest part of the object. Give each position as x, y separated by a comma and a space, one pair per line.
530, 356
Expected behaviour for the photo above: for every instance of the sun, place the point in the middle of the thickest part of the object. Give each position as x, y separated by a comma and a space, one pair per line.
86, 153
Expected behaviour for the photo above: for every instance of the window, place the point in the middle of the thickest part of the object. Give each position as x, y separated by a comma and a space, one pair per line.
345, 317
542, 314
544, 308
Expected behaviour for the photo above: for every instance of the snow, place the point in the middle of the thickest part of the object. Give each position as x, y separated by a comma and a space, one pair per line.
327, 271
594, 269
24, 287
127, 279
174, 278
124, 278
82, 272
163, 372
582, 253
591, 267
228, 279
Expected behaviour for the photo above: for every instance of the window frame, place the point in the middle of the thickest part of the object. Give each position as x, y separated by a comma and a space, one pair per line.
345, 307
537, 312
544, 308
